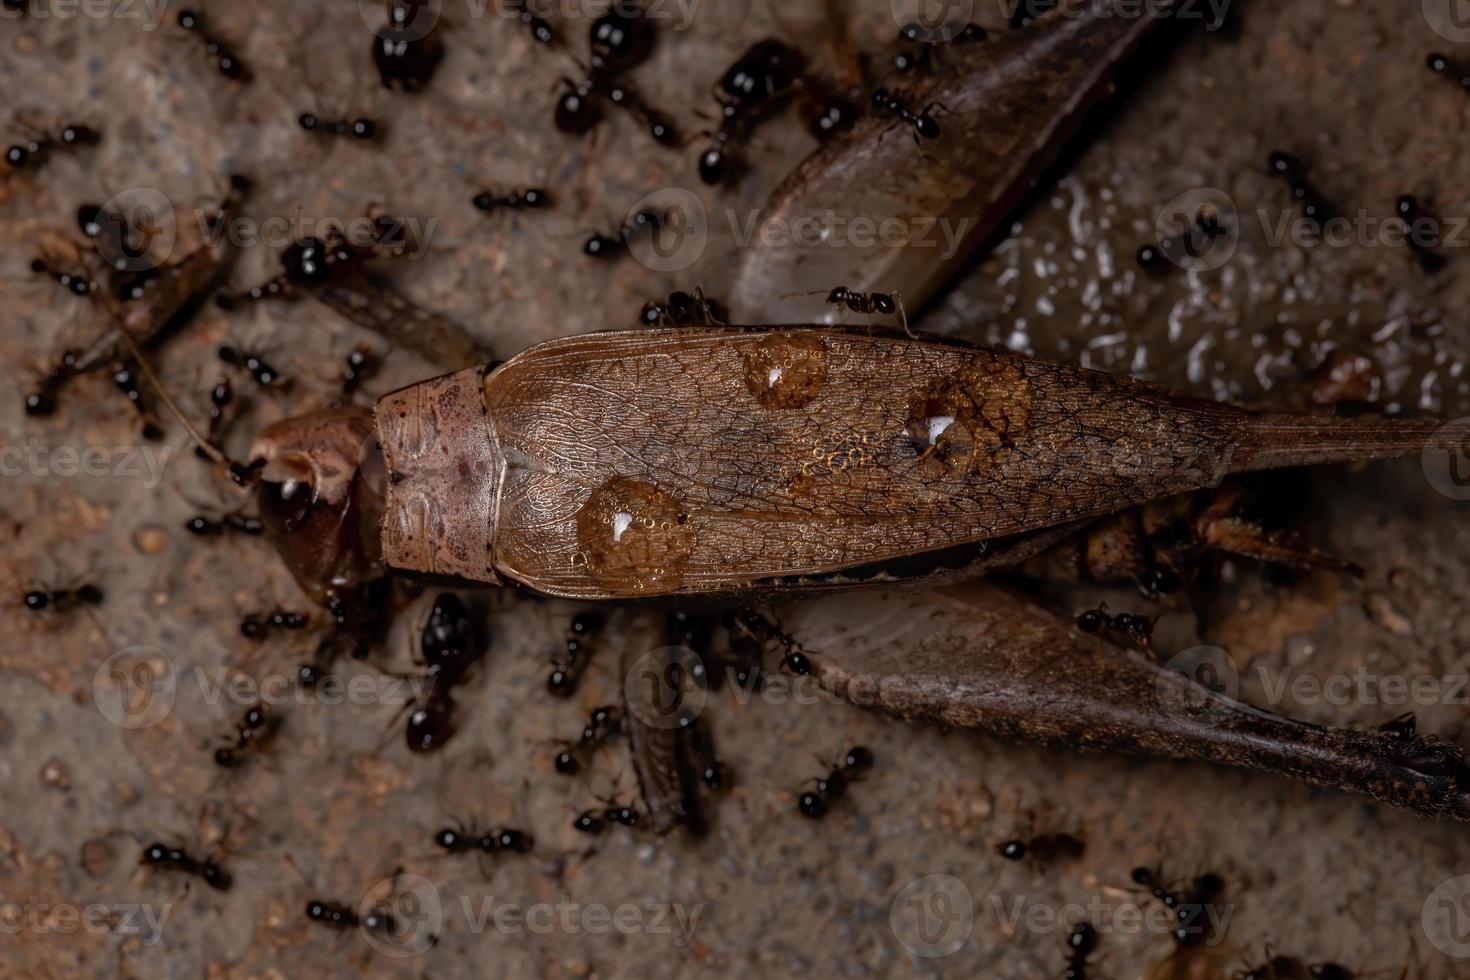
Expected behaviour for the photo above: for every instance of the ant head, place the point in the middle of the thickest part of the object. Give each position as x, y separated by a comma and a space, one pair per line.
216, 877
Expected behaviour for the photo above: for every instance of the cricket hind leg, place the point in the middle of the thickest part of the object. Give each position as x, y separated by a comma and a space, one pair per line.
1227, 525
984, 658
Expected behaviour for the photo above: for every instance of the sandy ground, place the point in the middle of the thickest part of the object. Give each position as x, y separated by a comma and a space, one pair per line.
1312, 873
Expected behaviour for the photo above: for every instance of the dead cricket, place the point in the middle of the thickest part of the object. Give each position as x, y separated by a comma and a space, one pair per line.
809, 461
775, 463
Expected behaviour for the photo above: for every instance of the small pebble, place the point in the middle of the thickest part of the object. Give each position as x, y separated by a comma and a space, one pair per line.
54, 775
150, 540
1382, 612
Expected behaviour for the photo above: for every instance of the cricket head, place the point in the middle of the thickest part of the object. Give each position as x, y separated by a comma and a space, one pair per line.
320, 491
443, 467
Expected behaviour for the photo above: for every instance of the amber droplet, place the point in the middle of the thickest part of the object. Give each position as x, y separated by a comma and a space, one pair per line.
633, 537
787, 370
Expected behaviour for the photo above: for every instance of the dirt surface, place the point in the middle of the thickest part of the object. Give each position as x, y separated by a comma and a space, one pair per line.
1319, 875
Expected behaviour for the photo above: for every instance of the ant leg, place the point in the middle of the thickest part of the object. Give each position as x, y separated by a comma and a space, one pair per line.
903, 316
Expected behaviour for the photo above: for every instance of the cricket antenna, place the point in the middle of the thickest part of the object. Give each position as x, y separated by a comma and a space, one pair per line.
242, 475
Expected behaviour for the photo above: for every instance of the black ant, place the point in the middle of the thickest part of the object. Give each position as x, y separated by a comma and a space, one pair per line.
815, 803
407, 55
620, 40
63, 600
602, 724
1046, 848
750, 89
539, 27
253, 364
163, 858
1315, 207
608, 246
254, 732
42, 402
596, 821
869, 304
125, 379
692, 632
1138, 630
1455, 71
1081, 944
1191, 910
257, 626
361, 128
767, 631
923, 124
449, 646
207, 527
33, 152
458, 840
1423, 233
224, 59
336, 916
221, 397
567, 670
1158, 259
713, 772
683, 309
311, 262
527, 200
76, 285
921, 58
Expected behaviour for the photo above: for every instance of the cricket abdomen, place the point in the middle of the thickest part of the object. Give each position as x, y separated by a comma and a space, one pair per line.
654, 463
657, 463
